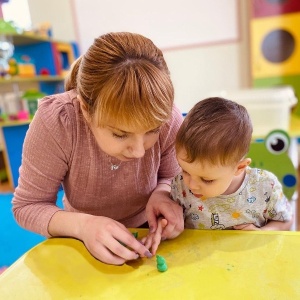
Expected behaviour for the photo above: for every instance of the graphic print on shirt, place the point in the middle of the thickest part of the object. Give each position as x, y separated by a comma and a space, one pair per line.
268, 197
251, 199
259, 199
274, 215
253, 213
215, 222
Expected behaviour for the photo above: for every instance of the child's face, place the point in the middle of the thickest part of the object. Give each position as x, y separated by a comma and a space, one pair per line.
206, 180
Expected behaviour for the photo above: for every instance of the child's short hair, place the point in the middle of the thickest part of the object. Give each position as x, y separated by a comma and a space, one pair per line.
217, 131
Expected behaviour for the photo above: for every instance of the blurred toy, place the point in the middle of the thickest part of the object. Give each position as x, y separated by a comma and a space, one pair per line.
272, 155
44, 71
6, 46
3, 117
13, 68
30, 101
45, 29
26, 67
8, 27
6, 52
23, 115
13, 117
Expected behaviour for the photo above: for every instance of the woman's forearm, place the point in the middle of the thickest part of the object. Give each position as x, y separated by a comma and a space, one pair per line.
68, 224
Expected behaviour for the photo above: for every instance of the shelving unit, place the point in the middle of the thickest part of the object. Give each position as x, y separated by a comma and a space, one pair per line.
45, 54
37, 78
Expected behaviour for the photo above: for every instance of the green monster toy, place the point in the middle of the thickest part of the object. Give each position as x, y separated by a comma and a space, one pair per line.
271, 155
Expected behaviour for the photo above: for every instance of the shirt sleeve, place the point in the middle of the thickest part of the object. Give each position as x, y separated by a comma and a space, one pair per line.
169, 166
45, 157
279, 207
178, 192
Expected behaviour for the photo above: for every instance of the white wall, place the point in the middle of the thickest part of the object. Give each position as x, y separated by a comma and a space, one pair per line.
59, 13
196, 70
168, 23
199, 71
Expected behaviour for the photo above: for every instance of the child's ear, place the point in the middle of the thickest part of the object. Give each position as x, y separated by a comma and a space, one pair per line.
242, 165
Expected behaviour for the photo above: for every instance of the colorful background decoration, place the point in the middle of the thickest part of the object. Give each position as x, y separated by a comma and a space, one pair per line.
275, 40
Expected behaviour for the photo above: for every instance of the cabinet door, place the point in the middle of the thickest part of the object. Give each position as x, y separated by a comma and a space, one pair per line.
13, 142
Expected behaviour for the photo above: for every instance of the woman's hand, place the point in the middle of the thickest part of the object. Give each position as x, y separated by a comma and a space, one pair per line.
152, 240
111, 242
106, 239
160, 205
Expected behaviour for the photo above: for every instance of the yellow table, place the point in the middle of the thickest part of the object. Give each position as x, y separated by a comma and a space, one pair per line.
201, 265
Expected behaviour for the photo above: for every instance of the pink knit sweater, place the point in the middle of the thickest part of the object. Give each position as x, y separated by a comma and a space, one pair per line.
59, 148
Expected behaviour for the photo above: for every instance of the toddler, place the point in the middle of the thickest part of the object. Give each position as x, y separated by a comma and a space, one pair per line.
217, 188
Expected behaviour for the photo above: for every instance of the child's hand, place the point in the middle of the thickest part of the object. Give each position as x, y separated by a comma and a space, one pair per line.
246, 227
152, 240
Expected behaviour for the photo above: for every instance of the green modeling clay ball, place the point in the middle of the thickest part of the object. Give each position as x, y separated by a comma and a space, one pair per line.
161, 264
135, 234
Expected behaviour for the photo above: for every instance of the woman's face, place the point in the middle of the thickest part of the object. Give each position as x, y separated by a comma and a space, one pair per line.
124, 143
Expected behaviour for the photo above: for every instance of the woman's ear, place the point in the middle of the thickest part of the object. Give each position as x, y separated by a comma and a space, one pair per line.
242, 165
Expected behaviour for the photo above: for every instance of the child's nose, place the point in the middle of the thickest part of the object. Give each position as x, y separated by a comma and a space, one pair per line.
193, 184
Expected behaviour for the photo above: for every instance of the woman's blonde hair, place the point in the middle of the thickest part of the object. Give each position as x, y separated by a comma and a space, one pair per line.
217, 131
123, 79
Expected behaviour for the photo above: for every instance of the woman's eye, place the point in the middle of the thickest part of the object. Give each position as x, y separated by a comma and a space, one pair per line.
207, 181
119, 136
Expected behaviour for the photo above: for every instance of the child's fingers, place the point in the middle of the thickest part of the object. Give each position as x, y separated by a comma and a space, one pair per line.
152, 240
156, 239
164, 223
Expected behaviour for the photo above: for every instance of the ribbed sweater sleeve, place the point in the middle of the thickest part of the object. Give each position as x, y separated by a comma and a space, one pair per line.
45, 157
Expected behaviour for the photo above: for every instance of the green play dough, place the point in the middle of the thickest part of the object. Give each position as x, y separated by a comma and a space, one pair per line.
161, 264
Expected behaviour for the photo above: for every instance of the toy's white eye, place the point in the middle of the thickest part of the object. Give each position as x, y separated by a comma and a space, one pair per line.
277, 142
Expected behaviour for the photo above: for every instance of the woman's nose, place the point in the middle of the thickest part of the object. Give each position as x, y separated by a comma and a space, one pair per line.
138, 148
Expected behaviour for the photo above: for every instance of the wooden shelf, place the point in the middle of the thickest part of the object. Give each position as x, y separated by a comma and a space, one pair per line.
14, 123
28, 39
37, 78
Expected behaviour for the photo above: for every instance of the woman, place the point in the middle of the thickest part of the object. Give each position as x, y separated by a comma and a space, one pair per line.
109, 141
